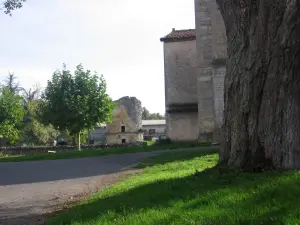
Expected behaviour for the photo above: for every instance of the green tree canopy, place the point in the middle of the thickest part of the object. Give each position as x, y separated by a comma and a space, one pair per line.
146, 115
33, 132
76, 102
11, 114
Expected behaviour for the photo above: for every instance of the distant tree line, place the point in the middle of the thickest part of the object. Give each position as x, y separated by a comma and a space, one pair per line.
146, 115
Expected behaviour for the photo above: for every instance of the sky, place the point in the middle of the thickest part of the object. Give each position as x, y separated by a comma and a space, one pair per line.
116, 38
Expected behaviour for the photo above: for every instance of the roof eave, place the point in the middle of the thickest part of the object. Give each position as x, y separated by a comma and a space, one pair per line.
178, 39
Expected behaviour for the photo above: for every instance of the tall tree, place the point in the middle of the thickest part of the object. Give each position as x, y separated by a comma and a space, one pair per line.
12, 84
10, 5
262, 96
11, 114
145, 114
76, 102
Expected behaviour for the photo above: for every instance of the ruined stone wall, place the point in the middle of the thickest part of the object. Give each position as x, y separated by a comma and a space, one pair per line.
211, 68
128, 113
181, 88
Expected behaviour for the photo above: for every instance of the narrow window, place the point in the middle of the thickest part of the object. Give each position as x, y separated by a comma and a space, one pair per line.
123, 129
123, 141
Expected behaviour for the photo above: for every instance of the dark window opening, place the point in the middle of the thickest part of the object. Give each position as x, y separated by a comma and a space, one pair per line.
123, 141
151, 131
123, 129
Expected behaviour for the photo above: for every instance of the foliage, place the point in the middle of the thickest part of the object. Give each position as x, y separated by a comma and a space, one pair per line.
146, 115
84, 136
170, 191
162, 141
11, 84
32, 131
10, 5
140, 131
31, 94
11, 114
76, 102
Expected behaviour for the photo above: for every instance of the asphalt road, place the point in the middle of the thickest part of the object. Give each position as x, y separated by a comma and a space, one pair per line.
29, 190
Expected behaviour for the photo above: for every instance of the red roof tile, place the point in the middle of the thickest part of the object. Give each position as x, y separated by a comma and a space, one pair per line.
180, 35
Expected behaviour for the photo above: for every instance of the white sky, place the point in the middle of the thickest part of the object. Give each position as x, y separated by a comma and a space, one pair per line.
117, 38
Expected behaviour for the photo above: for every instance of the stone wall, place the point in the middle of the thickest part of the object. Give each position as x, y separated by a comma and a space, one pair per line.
128, 113
218, 85
129, 137
183, 126
180, 73
180, 89
211, 61
219, 57
7, 151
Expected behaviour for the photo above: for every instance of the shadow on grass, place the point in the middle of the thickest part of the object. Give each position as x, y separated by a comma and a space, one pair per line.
201, 198
177, 156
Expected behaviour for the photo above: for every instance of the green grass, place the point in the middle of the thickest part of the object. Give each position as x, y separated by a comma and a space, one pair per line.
149, 143
93, 153
170, 192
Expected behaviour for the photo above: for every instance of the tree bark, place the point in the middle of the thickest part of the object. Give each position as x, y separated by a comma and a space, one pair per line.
262, 84
79, 144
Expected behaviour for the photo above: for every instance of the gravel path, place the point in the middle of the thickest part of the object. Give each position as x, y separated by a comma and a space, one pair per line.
29, 190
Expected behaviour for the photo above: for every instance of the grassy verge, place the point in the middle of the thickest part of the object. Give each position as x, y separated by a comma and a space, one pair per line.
170, 192
93, 153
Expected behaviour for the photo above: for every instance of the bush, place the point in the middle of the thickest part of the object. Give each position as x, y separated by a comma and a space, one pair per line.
163, 141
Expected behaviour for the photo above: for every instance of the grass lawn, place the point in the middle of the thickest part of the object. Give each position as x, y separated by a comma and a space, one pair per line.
92, 153
170, 192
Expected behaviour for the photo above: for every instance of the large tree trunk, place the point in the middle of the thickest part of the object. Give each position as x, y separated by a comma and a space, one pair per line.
262, 84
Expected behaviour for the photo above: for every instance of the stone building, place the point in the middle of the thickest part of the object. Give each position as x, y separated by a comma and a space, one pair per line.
97, 135
181, 97
126, 125
153, 128
195, 66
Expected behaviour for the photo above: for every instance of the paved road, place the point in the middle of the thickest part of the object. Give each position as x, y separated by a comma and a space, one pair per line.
30, 189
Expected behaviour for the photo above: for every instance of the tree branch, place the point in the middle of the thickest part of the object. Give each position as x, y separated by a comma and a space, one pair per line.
10, 5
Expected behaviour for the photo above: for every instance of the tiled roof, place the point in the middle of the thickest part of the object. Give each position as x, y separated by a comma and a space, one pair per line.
180, 35
153, 122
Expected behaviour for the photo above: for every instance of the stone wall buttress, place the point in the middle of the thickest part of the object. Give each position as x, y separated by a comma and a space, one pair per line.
212, 55
206, 116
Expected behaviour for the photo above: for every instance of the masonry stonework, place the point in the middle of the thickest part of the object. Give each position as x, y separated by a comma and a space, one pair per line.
183, 126
207, 64
180, 86
128, 114
212, 54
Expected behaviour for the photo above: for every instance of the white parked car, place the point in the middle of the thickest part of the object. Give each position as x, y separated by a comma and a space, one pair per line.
155, 138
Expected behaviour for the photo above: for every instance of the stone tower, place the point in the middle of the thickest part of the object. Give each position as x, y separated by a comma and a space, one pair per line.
126, 125
195, 67
211, 68
180, 85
